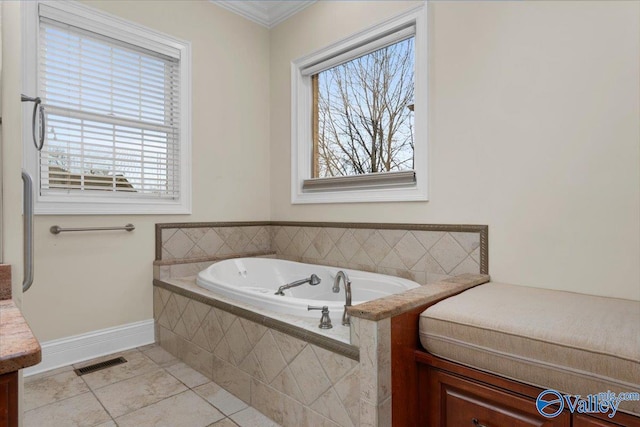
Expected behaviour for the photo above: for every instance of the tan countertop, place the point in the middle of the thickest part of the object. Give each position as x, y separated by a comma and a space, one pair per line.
400, 303
18, 347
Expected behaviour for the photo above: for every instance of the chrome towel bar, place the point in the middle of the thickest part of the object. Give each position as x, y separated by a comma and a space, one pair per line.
56, 229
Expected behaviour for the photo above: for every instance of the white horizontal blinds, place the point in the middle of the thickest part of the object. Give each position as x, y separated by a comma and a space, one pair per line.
365, 48
112, 114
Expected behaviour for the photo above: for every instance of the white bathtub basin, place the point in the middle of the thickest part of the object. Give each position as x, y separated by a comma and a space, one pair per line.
255, 280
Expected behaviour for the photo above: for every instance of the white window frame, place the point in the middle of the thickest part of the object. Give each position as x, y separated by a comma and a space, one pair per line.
301, 119
129, 32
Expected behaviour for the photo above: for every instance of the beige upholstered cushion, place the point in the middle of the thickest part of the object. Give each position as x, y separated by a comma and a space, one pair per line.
574, 343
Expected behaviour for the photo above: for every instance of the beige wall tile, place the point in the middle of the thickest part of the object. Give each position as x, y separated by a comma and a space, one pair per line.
348, 390
468, 241
289, 346
466, 266
251, 366
384, 359
269, 357
196, 357
409, 250
330, 405
212, 328
179, 245
195, 234
166, 234
277, 406
428, 238
376, 247
309, 375
335, 365
211, 242
232, 379
368, 414
348, 245
354, 332
286, 383
448, 253
238, 342
392, 237
254, 330
168, 340
171, 314
223, 351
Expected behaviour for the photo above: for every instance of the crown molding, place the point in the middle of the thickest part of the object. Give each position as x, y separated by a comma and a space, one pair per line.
266, 13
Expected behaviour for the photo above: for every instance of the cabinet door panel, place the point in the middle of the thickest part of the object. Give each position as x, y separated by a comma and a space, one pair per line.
464, 403
582, 420
9, 400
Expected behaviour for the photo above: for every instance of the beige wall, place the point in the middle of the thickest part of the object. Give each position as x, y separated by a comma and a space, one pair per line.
534, 130
86, 282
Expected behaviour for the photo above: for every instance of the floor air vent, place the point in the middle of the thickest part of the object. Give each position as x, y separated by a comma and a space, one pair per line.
98, 366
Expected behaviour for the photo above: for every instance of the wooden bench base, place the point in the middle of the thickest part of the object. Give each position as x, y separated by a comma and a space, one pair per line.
452, 395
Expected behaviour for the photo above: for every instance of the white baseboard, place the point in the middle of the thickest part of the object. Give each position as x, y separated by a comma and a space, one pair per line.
78, 348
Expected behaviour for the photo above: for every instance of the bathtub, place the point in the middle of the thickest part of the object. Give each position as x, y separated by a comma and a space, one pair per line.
255, 280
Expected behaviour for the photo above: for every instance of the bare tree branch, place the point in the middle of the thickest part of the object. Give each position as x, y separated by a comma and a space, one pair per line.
364, 125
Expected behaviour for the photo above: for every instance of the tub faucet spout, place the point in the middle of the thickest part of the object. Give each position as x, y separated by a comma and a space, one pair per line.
312, 280
346, 317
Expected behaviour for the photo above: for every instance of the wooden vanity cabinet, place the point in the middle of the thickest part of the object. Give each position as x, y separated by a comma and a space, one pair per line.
9, 400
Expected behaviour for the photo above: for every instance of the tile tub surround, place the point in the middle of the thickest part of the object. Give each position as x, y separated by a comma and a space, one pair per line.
185, 249
293, 381
373, 321
420, 252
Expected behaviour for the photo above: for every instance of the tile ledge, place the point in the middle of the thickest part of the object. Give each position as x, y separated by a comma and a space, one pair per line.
394, 305
164, 262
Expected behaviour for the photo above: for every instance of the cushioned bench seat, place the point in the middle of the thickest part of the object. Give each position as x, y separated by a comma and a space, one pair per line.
573, 343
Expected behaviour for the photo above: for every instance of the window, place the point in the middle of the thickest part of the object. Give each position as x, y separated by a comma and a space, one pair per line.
116, 102
359, 111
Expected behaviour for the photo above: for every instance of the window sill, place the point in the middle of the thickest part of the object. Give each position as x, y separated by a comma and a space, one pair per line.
396, 194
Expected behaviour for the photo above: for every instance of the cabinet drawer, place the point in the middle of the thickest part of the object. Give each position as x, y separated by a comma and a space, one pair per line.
457, 402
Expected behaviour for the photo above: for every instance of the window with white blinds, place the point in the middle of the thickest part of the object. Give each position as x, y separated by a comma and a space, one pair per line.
114, 112
112, 115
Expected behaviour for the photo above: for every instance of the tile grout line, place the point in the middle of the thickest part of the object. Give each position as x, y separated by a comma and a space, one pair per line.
96, 397
157, 367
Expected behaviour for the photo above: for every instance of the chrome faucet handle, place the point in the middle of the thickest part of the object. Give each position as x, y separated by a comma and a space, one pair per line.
325, 320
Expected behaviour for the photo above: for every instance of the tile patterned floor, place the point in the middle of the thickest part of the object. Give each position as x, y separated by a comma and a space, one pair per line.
152, 389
